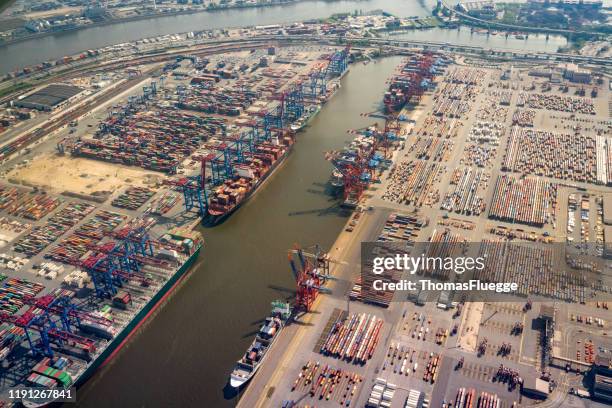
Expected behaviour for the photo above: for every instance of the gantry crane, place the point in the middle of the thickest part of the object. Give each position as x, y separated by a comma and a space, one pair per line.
310, 273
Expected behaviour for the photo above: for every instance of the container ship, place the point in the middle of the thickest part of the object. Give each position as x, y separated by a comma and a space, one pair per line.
229, 196
361, 146
311, 112
248, 365
102, 325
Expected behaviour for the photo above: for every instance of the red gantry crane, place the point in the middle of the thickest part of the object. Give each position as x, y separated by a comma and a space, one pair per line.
310, 273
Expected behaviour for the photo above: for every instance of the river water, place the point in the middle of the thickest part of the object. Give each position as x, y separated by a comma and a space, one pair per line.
183, 357
37, 50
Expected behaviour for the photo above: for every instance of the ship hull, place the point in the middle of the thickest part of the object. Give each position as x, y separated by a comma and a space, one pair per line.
238, 383
121, 339
211, 220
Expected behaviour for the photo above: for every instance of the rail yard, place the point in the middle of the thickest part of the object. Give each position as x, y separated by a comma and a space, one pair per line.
103, 186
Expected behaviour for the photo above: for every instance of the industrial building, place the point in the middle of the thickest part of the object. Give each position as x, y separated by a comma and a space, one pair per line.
536, 388
49, 98
602, 381
575, 74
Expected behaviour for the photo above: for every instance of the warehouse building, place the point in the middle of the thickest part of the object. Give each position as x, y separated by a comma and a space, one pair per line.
573, 73
602, 379
49, 98
536, 388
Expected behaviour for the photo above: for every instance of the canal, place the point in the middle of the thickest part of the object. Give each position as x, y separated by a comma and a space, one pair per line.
183, 357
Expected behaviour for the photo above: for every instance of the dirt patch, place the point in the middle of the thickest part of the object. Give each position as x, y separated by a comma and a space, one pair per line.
79, 175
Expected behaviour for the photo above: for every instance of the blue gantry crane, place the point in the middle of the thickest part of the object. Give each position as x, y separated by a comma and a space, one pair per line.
338, 61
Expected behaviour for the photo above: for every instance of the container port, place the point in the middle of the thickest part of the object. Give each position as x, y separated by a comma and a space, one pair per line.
62, 319
87, 259
480, 164
108, 195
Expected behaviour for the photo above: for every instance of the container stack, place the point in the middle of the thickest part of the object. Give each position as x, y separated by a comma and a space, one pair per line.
413, 182
42, 236
382, 394
561, 103
9, 196
133, 198
35, 207
549, 154
164, 203
223, 101
354, 339
465, 398
325, 382
487, 400
603, 160
463, 195
72, 248
401, 231
527, 200
10, 337
77, 279
45, 368
523, 117
154, 140
14, 291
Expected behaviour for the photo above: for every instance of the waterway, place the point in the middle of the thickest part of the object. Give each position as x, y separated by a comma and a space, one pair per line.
55, 46
184, 355
34, 51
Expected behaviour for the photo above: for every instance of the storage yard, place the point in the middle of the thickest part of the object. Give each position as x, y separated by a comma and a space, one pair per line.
483, 159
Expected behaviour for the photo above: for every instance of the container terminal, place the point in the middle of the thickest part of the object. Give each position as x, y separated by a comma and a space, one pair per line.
470, 151
101, 192
97, 227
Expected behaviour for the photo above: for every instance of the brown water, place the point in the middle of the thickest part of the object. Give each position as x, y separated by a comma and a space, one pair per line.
183, 357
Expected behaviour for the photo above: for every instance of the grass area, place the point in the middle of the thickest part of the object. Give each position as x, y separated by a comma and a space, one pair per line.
14, 88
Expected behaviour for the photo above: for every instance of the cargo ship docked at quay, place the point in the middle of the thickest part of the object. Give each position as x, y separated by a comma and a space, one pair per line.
229, 196
109, 351
72, 365
247, 366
